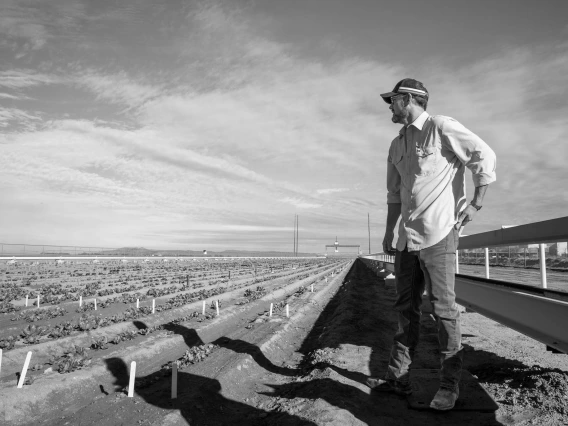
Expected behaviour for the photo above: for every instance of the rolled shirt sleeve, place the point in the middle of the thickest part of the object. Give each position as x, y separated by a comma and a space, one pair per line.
471, 150
393, 181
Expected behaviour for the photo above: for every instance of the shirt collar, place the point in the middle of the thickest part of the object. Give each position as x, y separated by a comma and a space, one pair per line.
419, 122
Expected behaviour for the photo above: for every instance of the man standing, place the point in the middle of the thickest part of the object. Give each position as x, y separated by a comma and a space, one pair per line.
426, 186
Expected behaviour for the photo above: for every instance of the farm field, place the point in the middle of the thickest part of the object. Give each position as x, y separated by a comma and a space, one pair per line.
246, 367
123, 292
65, 337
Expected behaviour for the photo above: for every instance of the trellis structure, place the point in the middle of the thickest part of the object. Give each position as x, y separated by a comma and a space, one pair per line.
336, 245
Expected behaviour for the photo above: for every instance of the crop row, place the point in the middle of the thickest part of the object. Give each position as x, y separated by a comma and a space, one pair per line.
33, 334
56, 293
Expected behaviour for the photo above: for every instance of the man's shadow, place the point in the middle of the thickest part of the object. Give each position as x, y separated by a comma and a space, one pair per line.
199, 399
330, 386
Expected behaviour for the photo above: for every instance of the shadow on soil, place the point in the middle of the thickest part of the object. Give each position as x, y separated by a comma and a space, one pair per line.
200, 400
347, 319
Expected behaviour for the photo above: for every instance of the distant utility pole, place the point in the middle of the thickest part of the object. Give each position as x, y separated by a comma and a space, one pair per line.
294, 250
297, 233
369, 226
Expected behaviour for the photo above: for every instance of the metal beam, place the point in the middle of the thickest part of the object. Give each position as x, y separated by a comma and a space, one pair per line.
548, 231
539, 313
541, 318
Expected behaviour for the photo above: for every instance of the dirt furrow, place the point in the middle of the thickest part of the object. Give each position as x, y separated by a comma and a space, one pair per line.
49, 393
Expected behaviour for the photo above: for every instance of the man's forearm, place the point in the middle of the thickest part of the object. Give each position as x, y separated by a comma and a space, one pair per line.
479, 194
393, 214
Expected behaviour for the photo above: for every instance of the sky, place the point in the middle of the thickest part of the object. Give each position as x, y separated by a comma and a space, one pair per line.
209, 124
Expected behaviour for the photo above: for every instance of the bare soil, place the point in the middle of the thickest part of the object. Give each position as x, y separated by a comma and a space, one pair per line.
310, 369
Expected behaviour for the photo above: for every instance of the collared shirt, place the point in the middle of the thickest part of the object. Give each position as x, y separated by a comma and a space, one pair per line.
426, 174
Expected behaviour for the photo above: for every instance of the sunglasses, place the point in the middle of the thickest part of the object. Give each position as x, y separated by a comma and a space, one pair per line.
395, 98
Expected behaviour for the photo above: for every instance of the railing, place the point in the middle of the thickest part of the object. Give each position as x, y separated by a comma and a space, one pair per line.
548, 231
539, 313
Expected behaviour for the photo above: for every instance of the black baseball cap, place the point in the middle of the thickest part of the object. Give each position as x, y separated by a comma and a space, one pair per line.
408, 85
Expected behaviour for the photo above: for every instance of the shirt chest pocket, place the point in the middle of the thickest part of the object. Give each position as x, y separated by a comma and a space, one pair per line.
397, 161
425, 159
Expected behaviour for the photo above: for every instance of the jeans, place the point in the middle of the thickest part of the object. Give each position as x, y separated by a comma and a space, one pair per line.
432, 268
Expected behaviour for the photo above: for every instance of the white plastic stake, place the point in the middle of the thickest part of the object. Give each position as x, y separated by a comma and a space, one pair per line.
325, 279
270, 314
38, 300
137, 303
24, 370
287, 311
486, 263
312, 288
217, 306
80, 301
174, 380
95, 304
153, 306
26, 300
204, 307
132, 377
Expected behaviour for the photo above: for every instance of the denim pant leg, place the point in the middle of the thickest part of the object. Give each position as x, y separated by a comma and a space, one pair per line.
409, 281
439, 267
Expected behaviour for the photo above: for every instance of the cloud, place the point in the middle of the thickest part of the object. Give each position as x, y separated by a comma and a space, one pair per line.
12, 97
118, 88
299, 203
37, 22
219, 121
21, 79
331, 190
17, 117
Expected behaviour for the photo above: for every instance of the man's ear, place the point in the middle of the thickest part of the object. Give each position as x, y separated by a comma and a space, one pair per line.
407, 99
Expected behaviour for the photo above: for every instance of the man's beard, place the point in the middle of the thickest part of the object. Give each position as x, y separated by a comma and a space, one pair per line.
401, 118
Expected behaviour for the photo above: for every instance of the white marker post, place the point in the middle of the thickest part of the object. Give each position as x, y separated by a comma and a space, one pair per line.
137, 303
542, 262
312, 288
457, 261
95, 304
217, 306
270, 313
26, 300
80, 301
287, 311
38, 300
174, 380
325, 279
24, 370
204, 307
132, 377
153, 306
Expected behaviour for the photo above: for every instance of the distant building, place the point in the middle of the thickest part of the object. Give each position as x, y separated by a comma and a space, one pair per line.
558, 249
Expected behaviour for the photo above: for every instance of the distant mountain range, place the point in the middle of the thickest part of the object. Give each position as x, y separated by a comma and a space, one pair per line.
141, 251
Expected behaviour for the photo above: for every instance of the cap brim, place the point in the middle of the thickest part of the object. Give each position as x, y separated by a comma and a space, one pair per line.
387, 96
